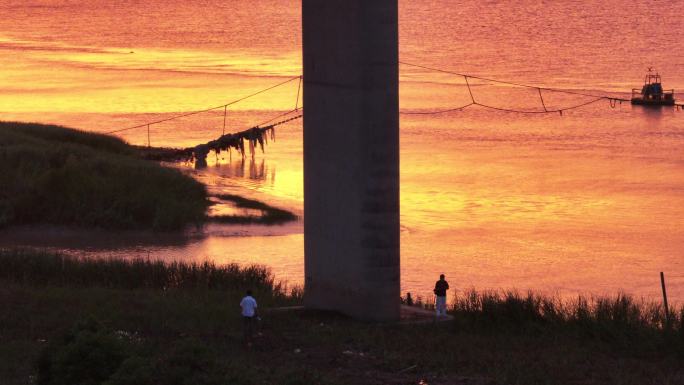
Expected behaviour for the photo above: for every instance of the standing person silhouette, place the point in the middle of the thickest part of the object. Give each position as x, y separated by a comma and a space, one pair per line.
249, 315
440, 291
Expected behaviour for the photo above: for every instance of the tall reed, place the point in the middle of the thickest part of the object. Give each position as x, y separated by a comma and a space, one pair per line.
36, 267
619, 317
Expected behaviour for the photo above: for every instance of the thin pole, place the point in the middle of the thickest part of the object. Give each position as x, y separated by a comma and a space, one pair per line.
542, 99
225, 110
148, 135
667, 309
469, 91
299, 87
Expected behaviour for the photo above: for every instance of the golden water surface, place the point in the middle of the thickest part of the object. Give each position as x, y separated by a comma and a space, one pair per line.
591, 201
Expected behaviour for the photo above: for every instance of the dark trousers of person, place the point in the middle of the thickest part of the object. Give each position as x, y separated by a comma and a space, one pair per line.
248, 327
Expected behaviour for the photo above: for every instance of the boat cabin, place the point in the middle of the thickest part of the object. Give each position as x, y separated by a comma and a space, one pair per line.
652, 93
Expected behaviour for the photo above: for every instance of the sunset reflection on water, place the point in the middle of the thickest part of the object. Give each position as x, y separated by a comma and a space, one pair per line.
591, 201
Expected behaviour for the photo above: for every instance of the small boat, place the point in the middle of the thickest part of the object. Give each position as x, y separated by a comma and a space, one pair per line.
652, 93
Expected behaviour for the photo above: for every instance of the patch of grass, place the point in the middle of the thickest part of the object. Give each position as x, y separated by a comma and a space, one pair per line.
620, 320
58, 134
192, 333
155, 305
60, 176
40, 268
156, 319
620, 313
270, 215
88, 354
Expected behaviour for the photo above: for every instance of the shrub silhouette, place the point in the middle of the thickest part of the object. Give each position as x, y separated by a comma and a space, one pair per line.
87, 355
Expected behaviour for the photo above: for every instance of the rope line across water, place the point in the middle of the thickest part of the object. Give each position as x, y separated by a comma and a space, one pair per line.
225, 105
612, 100
545, 110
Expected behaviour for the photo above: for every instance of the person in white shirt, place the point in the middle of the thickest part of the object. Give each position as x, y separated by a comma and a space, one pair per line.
249, 314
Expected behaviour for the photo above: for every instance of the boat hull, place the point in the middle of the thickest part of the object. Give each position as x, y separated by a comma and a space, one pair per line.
655, 103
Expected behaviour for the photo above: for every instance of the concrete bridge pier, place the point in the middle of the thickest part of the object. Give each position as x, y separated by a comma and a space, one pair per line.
351, 157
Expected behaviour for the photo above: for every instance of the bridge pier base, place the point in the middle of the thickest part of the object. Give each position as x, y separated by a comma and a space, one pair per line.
351, 157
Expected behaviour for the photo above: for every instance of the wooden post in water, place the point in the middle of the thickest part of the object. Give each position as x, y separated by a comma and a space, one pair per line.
225, 111
667, 309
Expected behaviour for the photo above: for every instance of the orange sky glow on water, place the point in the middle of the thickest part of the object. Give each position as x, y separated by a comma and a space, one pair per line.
588, 202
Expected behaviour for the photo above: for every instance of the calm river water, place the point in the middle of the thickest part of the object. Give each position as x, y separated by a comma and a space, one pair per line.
588, 202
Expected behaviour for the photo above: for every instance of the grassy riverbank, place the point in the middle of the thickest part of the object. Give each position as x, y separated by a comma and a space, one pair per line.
179, 323
52, 175
59, 176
